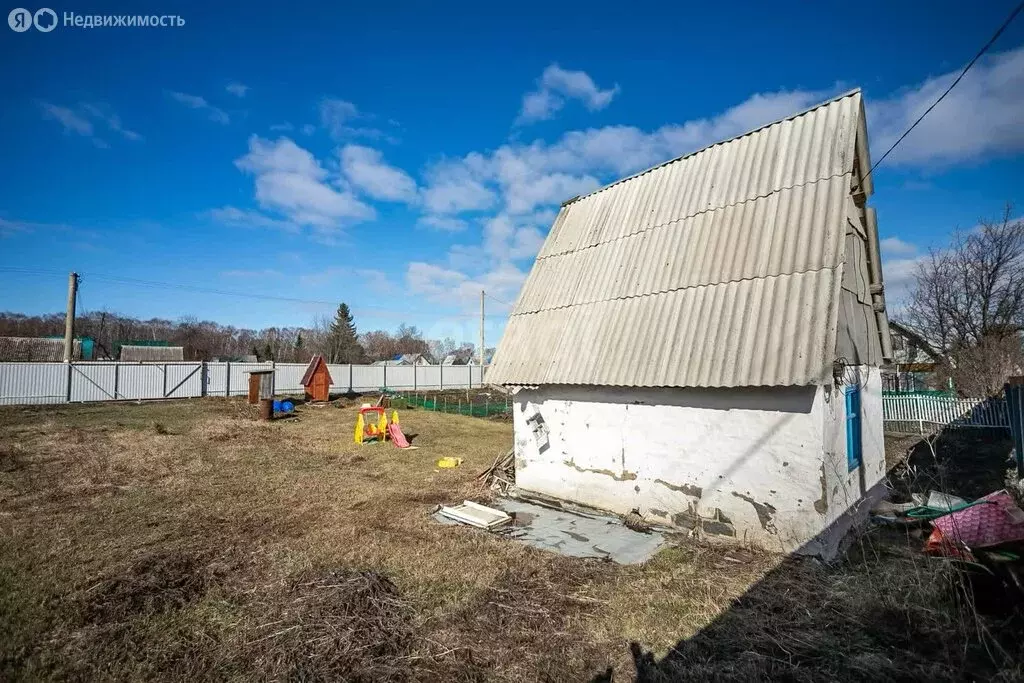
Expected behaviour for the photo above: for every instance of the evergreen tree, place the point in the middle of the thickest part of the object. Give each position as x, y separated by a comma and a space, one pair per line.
343, 343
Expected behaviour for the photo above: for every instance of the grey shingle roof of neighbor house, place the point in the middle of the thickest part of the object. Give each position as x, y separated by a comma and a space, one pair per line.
26, 349
166, 354
717, 269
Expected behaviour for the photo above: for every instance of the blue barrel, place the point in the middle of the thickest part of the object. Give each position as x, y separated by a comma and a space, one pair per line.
277, 406
287, 406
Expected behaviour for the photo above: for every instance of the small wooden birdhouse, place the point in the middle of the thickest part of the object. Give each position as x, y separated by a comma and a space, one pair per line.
317, 380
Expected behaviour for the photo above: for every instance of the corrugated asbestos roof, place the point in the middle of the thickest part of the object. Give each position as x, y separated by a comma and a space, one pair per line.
167, 354
717, 269
26, 349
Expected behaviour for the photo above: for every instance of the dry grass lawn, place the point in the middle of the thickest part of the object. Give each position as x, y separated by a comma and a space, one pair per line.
183, 539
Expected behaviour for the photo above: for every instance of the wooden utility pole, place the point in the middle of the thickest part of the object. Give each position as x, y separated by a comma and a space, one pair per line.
481, 328
69, 318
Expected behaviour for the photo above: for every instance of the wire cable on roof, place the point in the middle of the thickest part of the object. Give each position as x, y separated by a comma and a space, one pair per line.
982, 51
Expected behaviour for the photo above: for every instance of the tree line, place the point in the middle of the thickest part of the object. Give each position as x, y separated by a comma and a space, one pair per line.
965, 312
335, 338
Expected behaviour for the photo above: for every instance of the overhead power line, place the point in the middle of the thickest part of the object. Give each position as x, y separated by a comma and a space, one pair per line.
982, 51
503, 303
222, 292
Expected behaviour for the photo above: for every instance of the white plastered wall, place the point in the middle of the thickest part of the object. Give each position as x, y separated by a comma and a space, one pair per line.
852, 492
745, 464
764, 466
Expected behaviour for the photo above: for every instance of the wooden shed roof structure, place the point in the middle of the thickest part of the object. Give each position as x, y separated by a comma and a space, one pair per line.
315, 362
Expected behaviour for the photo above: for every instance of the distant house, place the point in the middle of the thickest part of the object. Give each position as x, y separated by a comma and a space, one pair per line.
912, 368
151, 354
702, 341
406, 359
29, 349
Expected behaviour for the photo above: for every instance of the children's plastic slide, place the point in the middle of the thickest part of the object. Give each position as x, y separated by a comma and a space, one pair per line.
397, 437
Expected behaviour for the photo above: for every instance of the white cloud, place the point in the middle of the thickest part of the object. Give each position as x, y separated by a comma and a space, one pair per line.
105, 114
443, 223
72, 122
199, 103
266, 156
894, 246
334, 112
307, 129
365, 169
261, 274
528, 176
81, 121
291, 181
237, 89
457, 186
321, 277
507, 239
980, 117
555, 86
451, 287
377, 280
246, 218
282, 127
898, 275
341, 119
900, 261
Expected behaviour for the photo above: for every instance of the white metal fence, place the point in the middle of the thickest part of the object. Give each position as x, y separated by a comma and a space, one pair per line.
927, 412
26, 383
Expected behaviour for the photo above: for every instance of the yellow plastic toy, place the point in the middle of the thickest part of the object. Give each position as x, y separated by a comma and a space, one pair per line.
372, 425
448, 462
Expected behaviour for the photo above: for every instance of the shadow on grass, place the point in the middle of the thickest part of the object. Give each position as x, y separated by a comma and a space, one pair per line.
968, 462
886, 611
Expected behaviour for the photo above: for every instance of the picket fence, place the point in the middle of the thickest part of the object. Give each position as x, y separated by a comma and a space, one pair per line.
928, 412
32, 383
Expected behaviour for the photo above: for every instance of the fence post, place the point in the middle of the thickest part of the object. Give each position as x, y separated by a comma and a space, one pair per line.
385, 376
67, 386
163, 394
203, 379
440, 378
415, 368
117, 368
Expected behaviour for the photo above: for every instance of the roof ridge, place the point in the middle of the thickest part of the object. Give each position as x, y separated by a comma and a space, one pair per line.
819, 105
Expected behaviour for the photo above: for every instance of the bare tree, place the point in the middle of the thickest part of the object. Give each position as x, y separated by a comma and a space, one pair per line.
966, 307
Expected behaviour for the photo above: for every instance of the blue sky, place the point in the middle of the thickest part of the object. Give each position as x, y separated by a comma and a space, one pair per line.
400, 158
